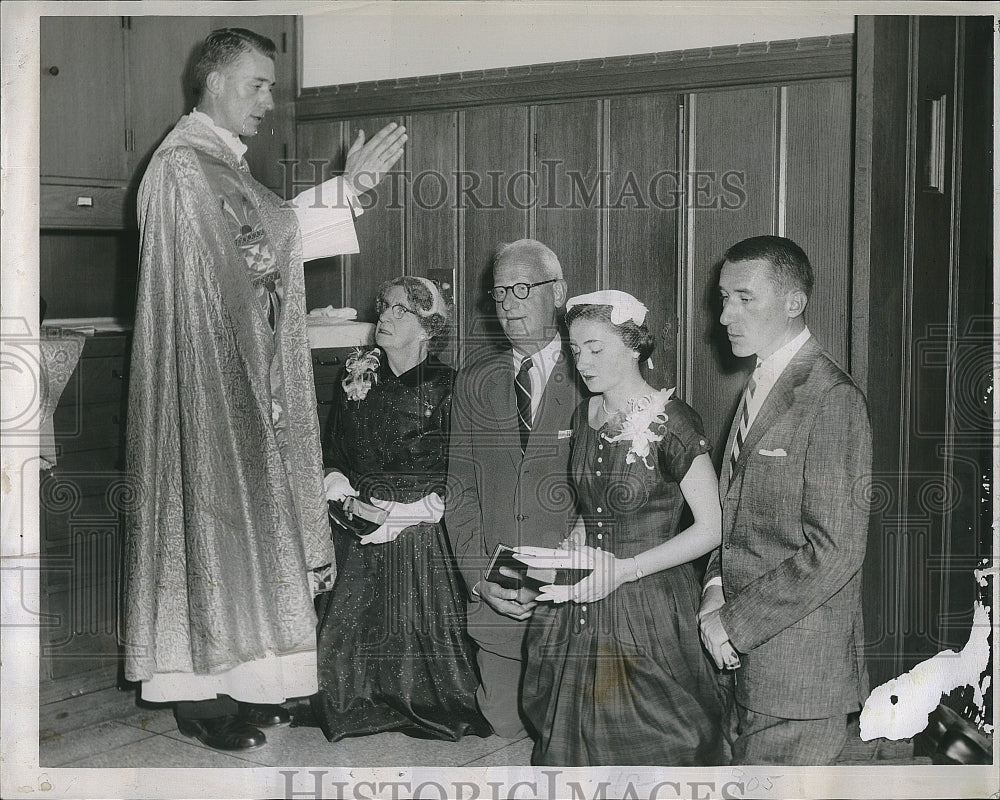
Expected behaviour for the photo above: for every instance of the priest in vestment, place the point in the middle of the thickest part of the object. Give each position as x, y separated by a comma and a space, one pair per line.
227, 534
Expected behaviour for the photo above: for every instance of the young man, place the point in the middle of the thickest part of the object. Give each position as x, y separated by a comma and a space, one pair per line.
781, 602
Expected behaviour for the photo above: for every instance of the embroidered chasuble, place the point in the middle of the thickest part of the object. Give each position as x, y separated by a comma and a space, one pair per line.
228, 515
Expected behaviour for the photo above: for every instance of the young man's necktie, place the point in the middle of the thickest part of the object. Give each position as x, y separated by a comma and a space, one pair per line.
744, 417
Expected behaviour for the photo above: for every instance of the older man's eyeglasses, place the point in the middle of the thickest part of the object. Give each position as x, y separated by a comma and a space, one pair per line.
396, 310
519, 290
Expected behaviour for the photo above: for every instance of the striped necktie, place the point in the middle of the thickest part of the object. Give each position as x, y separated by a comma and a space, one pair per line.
522, 388
744, 417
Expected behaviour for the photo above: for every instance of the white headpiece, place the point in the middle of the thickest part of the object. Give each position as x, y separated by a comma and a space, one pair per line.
624, 307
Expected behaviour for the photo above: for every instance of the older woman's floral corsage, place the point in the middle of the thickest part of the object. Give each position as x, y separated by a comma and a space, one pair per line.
362, 373
643, 424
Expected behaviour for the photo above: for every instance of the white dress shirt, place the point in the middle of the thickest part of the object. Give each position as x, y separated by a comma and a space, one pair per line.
768, 372
542, 364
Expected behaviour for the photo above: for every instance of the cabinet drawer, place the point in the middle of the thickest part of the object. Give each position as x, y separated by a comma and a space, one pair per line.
88, 427
82, 206
96, 380
324, 403
328, 363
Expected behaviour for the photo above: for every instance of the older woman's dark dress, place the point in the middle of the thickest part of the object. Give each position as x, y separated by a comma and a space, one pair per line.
393, 654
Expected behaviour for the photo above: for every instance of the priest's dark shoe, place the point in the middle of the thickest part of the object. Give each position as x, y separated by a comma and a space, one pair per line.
264, 715
223, 733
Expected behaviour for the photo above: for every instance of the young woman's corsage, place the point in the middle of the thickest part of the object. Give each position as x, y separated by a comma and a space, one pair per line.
362, 373
643, 424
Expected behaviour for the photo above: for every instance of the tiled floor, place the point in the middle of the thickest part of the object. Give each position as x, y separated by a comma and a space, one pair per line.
109, 729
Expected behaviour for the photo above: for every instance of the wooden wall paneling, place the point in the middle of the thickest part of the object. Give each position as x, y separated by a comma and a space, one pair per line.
432, 166
494, 144
643, 211
161, 52
381, 229
732, 139
679, 70
570, 188
432, 211
322, 156
817, 201
82, 117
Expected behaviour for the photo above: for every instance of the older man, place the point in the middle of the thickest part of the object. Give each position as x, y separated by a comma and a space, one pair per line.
782, 599
229, 526
508, 462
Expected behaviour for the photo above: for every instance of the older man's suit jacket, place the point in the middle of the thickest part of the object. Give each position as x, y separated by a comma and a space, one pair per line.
795, 525
496, 496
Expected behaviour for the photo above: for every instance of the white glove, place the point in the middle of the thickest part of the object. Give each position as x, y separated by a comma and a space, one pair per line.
429, 508
338, 487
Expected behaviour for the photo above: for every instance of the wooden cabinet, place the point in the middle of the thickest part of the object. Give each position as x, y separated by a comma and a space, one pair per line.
161, 52
80, 505
111, 89
82, 128
328, 366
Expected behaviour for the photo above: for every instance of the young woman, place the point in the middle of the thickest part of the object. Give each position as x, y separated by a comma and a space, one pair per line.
616, 672
393, 652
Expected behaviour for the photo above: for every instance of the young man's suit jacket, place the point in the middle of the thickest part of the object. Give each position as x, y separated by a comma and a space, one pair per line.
795, 526
496, 496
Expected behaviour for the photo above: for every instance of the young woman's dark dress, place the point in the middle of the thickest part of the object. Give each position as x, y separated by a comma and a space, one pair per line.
625, 680
393, 654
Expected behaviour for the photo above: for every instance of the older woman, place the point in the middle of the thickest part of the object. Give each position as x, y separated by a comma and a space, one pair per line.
393, 651
616, 673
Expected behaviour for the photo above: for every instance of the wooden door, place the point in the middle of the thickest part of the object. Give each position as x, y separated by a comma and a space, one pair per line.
925, 337
82, 91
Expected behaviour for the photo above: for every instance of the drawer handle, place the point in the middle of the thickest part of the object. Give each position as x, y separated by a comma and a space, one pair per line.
320, 363
324, 402
114, 419
53, 70
117, 375
85, 201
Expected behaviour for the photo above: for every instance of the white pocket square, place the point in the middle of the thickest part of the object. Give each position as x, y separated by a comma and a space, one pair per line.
565, 434
779, 453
